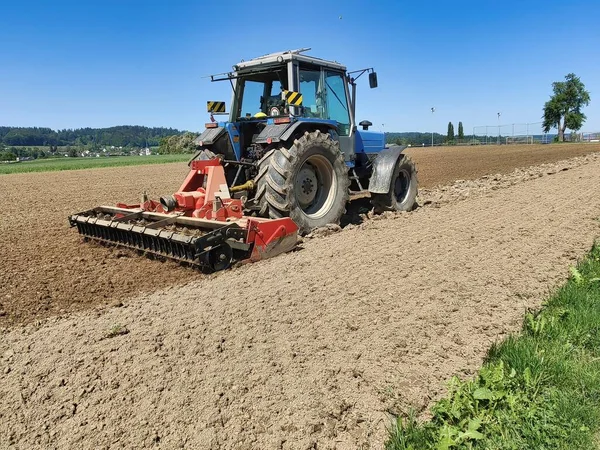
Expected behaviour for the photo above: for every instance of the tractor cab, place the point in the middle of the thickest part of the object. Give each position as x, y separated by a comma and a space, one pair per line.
288, 87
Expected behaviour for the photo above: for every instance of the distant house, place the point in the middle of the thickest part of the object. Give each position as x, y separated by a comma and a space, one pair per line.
145, 152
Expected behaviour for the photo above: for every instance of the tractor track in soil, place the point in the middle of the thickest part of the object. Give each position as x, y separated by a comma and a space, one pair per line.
319, 346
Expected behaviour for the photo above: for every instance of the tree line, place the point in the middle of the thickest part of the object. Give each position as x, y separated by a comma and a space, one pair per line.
418, 139
91, 138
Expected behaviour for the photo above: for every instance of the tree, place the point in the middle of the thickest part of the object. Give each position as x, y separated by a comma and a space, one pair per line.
450, 137
563, 110
461, 133
178, 143
7, 156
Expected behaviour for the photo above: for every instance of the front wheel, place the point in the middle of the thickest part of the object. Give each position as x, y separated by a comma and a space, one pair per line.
402, 195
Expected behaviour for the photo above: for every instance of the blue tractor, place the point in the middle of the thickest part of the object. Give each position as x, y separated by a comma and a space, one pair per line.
292, 148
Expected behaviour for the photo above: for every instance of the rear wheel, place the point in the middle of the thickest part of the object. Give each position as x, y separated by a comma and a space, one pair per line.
402, 195
307, 181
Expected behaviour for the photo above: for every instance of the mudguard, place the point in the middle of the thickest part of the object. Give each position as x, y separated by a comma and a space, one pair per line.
272, 132
314, 123
282, 132
209, 136
383, 169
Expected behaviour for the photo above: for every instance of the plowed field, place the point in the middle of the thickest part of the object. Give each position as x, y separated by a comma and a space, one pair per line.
313, 349
45, 269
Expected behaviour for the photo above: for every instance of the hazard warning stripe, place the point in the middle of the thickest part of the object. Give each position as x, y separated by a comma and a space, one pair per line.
293, 98
216, 107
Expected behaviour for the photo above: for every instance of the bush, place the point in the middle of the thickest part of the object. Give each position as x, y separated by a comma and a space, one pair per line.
7, 156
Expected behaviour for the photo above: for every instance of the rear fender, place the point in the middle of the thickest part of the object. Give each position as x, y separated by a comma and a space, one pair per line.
283, 132
220, 140
383, 169
308, 125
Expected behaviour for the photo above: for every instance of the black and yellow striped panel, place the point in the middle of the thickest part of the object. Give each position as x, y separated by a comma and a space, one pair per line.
215, 107
293, 98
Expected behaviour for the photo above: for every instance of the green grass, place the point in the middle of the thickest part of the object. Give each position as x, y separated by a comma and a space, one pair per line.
64, 163
536, 390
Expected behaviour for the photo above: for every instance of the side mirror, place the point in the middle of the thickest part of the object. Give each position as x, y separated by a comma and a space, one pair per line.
373, 80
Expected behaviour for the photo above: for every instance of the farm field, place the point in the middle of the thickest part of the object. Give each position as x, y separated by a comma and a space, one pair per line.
287, 352
442, 165
46, 270
60, 164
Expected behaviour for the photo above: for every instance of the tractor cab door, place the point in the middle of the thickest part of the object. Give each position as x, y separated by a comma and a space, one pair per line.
325, 96
338, 109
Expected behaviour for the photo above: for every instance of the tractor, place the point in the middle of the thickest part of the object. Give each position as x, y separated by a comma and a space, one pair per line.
287, 161
292, 147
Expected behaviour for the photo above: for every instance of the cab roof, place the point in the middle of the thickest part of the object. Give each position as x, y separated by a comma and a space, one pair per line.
289, 55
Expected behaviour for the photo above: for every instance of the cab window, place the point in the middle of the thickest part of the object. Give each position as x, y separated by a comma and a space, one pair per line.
337, 102
312, 100
261, 93
324, 97
253, 92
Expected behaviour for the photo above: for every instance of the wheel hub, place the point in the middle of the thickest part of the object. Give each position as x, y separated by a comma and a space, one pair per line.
306, 185
315, 188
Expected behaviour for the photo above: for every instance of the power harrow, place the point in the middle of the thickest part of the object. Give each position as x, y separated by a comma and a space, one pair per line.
201, 224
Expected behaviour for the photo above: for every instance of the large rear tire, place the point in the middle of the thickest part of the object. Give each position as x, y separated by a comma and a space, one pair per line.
402, 195
307, 181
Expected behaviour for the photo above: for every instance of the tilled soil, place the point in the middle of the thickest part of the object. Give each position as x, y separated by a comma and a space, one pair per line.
46, 270
443, 165
318, 348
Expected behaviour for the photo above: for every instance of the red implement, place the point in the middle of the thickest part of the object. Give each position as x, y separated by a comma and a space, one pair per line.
200, 224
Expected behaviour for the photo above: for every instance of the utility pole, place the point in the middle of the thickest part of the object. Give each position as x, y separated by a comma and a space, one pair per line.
432, 111
499, 114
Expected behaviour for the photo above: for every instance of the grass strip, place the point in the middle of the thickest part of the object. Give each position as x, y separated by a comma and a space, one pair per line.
539, 389
57, 164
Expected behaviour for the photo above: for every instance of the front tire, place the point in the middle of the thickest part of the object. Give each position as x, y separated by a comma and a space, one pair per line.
307, 181
402, 195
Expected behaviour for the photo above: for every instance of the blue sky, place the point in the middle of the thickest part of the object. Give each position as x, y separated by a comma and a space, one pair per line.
71, 64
